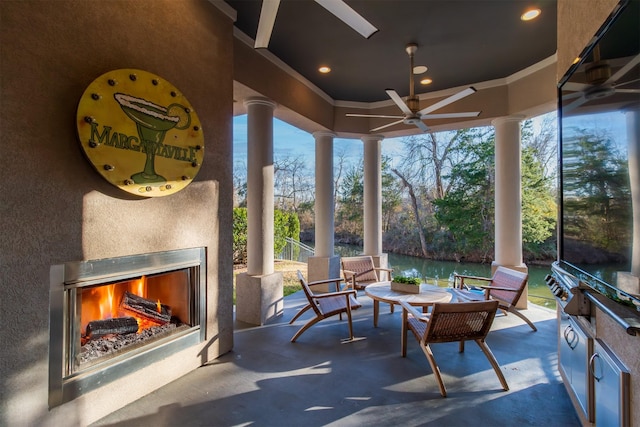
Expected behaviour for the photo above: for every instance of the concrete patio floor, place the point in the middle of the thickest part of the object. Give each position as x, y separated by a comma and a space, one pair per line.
317, 381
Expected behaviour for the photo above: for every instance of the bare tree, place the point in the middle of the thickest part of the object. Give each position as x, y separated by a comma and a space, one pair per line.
544, 141
430, 156
338, 170
416, 211
240, 184
292, 182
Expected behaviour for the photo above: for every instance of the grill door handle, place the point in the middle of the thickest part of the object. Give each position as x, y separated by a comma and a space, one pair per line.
592, 367
571, 337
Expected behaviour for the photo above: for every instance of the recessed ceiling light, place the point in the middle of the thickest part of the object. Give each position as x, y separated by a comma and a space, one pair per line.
426, 81
419, 69
530, 14
324, 69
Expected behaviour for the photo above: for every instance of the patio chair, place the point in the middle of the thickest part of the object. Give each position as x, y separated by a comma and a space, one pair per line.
359, 272
451, 322
506, 286
326, 305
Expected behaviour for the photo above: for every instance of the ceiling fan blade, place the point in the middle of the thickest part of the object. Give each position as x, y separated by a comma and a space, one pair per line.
624, 70
387, 125
399, 102
423, 127
267, 19
451, 115
453, 98
576, 87
627, 83
627, 90
374, 115
349, 16
571, 95
575, 104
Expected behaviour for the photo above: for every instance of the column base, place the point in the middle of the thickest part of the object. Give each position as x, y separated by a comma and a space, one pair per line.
259, 298
381, 261
628, 282
524, 298
322, 268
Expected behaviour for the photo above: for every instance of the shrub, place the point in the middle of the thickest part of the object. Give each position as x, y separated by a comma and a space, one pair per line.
407, 280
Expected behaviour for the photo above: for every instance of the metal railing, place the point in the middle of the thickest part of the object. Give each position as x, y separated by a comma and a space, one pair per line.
296, 251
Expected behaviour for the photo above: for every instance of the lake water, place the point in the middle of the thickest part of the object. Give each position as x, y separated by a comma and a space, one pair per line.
442, 272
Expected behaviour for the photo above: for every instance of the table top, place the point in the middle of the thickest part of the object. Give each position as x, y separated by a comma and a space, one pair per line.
428, 295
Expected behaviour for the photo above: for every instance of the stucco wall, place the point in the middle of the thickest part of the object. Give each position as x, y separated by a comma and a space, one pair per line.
56, 208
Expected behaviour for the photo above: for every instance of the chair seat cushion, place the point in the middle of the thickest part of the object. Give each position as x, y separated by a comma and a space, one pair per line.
464, 295
337, 303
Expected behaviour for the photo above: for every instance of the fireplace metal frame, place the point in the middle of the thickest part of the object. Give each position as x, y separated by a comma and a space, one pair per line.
69, 276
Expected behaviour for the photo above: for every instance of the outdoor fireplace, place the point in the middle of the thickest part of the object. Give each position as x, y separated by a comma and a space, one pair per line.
113, 316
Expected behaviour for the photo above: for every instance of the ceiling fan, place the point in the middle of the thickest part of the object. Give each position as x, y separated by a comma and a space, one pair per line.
600, 83
338, 7
412, 114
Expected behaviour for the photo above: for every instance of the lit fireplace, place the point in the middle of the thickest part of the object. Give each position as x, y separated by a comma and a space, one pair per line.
109, 317
117, 317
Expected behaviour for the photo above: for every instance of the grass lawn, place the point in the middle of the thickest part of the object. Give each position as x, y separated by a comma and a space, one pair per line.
289, 276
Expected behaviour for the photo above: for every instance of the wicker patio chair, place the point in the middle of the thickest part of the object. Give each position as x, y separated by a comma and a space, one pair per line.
451, 322
506, 286
359, 271
326, 305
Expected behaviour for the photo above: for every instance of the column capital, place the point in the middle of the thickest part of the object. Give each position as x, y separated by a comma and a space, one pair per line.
320, 133
507, 119
258, 100
372, 138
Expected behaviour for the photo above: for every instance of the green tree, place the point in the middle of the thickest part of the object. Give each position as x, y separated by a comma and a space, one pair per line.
349, 213
596, 191
239, 235
467, 210
391, 193
285, 224
539, 210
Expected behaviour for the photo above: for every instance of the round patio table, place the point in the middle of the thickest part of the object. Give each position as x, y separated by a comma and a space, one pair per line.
429, 294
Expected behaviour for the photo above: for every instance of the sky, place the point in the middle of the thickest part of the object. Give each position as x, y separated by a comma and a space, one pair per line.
612, 123
293, 142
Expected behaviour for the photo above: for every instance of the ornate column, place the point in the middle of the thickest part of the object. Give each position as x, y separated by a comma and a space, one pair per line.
508, 197
259, 290
324, 264
373, 199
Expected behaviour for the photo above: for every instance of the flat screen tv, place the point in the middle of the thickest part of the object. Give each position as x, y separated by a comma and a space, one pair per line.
599, 129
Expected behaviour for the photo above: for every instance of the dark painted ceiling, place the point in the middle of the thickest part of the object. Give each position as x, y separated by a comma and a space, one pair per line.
461, 42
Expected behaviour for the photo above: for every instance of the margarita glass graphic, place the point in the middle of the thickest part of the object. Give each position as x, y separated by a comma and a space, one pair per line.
153, 121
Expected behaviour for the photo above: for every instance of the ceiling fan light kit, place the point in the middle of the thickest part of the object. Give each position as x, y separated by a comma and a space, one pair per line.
600, 82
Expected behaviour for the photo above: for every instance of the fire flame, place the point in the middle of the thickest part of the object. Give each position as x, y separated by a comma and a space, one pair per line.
139, 287
107, 309
103, 302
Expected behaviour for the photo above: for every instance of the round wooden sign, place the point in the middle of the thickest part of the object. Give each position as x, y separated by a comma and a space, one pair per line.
140, 133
